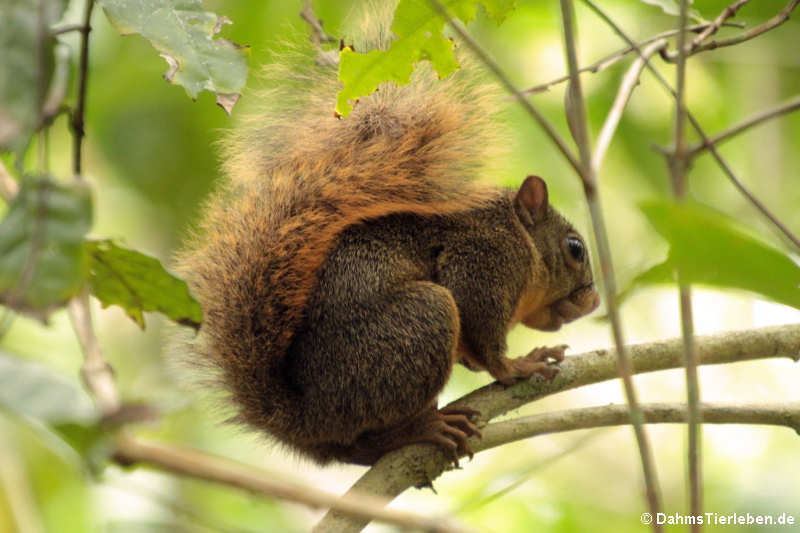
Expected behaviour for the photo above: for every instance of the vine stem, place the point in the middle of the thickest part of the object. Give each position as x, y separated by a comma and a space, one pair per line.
678, 170
576, 114
78, 127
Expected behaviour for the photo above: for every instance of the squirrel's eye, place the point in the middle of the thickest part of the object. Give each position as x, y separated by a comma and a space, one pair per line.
575, 248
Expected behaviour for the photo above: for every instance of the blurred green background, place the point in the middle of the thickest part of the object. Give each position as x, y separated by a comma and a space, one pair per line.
151, 156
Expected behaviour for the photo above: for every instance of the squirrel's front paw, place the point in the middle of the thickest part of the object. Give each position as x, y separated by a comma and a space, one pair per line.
538, 361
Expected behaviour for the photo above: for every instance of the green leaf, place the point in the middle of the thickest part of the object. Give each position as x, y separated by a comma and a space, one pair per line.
418, 30
183, 34
138, 283
708, 249
33, 390
498, 10
673, 7
93, 442
26, 67
42, 259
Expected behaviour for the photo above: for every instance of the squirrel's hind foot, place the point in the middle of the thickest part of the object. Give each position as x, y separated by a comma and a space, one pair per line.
450, 428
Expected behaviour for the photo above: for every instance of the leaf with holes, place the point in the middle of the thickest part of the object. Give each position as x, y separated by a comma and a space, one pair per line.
42, 259
138, 283
184, 35
418, 28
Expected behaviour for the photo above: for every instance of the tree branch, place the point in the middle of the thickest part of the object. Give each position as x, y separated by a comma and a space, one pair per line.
789, 106
727, 13
696, 125
500, 433
629, 83
318, 34
576, 115
419, 464
678, 165
96, 372
615, 57
199, 465
772, 23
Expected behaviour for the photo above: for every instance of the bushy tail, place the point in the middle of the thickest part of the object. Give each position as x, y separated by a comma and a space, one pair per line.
297, 177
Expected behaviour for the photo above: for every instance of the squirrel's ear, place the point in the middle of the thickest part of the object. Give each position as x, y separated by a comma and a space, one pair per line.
532, 197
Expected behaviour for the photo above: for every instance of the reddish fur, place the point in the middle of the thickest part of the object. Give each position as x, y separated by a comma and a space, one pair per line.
298, 178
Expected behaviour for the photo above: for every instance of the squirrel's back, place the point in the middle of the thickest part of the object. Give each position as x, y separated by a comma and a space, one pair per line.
297, 177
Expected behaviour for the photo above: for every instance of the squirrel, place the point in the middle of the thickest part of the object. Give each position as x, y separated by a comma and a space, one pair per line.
348, 263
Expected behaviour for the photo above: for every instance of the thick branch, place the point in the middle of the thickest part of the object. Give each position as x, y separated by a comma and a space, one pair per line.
420, 464
192, 463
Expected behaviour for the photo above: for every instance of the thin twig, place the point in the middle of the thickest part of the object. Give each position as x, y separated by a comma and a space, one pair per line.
789, 106
421, 464
199, 465
678, 167
481, 54
318, 34
771, 24
696, 125
581, 134
615, 57
67, 28
727, 13
83, 75
629, 82
97, 374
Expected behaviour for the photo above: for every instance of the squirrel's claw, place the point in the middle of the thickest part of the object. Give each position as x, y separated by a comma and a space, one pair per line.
538, 361
451, 428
